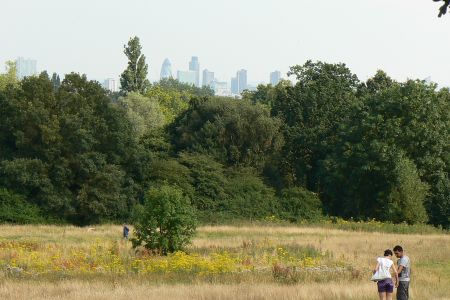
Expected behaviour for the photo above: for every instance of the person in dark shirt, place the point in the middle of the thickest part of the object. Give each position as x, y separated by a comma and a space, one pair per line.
126, 230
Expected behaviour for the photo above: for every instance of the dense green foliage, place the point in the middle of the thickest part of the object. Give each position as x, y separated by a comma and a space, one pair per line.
375, 149
174, 96
298, 204
67, 151
134, 77
328, 145
166, 223
15, 209
235, 133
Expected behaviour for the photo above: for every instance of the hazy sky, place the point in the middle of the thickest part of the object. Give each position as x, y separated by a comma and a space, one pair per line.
403, 37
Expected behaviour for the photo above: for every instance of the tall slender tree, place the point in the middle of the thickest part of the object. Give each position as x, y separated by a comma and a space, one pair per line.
134, 77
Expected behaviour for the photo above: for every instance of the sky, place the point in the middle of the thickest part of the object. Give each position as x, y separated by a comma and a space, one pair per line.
403, 37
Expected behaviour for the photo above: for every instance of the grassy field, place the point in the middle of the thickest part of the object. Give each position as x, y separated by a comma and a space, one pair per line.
224, 262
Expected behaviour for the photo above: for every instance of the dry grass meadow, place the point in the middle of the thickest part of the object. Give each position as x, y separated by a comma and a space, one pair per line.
224, 262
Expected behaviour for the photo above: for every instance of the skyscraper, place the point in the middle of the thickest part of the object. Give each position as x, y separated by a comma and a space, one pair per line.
166, 69
110, 84
242, 80
275, 77
208, 77
234, 86
188, 77
194, 66
25, 67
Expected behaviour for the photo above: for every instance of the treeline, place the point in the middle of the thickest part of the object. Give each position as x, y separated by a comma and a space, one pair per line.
328, 145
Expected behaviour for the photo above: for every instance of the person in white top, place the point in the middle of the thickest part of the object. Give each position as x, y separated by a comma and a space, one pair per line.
382, 274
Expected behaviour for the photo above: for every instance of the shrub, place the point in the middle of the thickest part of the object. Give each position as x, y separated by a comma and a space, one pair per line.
406, 199
167, 221
248, 196
299, 204
14, 209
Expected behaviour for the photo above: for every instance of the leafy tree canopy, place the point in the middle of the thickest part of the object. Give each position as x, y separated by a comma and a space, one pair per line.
134, 77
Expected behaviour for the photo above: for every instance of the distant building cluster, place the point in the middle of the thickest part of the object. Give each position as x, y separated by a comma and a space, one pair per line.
239, 83
111, 85
234, 88
192, 76
25, 67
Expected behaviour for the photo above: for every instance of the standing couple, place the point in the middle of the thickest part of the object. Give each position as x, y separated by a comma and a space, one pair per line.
382, 274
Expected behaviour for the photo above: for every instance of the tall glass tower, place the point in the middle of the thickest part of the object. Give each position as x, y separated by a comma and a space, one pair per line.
166, 69
275, 77
25, 67
242, 80
208, 77
194, 65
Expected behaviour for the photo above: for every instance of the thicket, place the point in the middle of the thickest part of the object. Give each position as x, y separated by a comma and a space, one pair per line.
329, 144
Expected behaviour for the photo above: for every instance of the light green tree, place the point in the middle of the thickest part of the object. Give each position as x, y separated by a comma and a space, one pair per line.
144, 113
171, 102
10, 77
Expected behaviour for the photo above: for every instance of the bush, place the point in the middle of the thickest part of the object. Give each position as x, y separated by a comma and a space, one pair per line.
406, 199
248, 196
14, 209
167, 221
298, 204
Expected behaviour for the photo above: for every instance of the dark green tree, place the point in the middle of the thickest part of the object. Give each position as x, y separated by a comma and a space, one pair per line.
208, 181
379, 82
394, 146
312, 111
68, 152
134, 78
266, 94
233, 132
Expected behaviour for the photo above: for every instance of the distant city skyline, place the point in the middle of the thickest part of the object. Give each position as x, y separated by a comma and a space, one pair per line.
236, 85
273, 35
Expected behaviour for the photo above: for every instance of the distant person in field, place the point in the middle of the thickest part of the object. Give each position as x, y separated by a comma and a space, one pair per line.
382, 275
126, 230
404, 271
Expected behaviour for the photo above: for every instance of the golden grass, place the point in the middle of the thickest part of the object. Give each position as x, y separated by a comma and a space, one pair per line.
430, 255
99, 290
